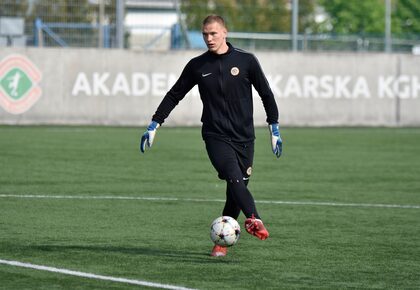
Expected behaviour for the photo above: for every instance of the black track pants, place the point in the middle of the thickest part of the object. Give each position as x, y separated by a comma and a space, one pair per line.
233, 162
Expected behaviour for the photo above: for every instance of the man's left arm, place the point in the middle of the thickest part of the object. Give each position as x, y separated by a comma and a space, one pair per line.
260, 83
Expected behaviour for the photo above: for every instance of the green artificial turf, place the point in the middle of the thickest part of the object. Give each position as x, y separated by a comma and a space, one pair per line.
342, 206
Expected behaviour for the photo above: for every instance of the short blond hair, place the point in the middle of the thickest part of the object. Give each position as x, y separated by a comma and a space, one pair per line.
214, 18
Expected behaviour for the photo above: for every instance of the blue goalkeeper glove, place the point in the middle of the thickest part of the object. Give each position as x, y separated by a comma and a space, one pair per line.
276, 142
148, 136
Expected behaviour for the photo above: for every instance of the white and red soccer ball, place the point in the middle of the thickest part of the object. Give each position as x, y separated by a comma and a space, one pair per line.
225, 231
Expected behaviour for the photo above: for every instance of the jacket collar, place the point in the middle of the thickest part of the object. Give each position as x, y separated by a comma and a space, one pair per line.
230, 49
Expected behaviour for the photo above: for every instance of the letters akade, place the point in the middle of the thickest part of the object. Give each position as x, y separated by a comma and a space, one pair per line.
290, 86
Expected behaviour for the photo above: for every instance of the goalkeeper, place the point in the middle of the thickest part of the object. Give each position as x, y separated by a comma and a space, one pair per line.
225, 76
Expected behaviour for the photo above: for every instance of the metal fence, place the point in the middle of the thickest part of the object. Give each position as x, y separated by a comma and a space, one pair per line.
63, 23
322, 42
73, 34
150, 25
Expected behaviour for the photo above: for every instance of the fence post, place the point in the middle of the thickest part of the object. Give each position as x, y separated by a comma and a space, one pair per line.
388, 47
107, 37
176, 36
295, 15
120, 23
101, 23
38, 35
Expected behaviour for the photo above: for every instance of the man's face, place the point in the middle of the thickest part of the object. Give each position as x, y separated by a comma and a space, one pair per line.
214, 35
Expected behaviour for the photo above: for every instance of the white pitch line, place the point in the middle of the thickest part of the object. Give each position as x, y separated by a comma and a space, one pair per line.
303, 203
382, 205
91, 276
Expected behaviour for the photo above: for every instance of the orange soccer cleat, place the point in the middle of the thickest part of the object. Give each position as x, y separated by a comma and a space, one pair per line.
256, 228
219, 251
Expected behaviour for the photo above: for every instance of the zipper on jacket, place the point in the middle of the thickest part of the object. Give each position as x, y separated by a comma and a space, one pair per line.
224, 96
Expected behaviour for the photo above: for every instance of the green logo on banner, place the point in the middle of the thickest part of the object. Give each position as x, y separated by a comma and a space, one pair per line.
19, 84
16, 83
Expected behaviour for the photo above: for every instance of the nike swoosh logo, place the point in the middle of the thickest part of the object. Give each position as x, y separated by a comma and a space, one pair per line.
205, 75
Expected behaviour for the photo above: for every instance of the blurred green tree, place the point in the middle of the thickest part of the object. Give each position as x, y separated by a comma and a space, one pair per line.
368, 16
350, 17
405, 17
249, 15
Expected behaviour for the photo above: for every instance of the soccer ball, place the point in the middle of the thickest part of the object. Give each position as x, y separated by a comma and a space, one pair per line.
225, 231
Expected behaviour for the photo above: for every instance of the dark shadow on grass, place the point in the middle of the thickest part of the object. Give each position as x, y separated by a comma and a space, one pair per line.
177, 255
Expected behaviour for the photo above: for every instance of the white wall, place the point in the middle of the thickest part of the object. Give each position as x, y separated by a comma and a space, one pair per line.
119, 87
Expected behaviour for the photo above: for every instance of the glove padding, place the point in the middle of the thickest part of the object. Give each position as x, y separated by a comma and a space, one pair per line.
276, 142
148, 136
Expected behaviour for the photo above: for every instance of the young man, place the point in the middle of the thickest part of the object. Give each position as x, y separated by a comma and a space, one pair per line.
225, 76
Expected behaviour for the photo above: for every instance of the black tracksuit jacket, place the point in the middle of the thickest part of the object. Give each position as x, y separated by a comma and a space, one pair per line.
225, 84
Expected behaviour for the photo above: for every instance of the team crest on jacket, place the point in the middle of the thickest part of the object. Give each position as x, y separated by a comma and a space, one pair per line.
234, 71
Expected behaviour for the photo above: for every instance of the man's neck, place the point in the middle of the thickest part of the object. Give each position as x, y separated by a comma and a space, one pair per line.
223, 49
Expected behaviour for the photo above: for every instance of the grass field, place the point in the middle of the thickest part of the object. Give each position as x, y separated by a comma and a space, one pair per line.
342, 207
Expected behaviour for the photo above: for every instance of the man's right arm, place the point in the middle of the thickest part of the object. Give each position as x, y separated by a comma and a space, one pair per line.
178, 91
